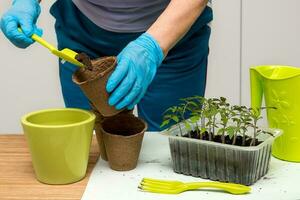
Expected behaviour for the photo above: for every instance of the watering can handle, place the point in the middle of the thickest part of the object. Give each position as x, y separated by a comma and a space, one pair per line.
256, 89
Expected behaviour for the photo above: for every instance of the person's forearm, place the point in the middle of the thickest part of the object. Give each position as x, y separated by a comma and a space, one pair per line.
175, 21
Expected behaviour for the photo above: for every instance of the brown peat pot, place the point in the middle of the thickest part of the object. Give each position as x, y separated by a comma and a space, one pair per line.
92, 81
123, 135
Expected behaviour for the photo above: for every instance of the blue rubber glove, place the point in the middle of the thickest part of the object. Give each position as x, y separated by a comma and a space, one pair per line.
24, 14
137, 65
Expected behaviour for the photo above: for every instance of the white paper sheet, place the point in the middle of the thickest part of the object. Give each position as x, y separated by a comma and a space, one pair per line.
281, 182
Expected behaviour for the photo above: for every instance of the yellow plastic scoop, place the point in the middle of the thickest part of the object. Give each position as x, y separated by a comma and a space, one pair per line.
65, 54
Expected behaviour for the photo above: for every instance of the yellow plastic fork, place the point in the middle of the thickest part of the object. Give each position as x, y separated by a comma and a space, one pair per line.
176, 187
65, 54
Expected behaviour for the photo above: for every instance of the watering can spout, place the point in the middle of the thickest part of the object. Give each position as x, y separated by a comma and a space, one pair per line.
256, 88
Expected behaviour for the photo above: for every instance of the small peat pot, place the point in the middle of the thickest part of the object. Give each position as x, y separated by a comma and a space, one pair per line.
123, 135
92, 81
59, 141
217, 161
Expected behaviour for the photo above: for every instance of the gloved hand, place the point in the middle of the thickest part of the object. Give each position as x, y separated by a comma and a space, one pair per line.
24, 14
137, 65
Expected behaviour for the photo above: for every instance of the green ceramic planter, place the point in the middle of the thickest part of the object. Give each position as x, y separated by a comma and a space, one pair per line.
59, 141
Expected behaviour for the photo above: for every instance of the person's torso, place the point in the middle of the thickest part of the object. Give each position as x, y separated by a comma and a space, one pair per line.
122, 15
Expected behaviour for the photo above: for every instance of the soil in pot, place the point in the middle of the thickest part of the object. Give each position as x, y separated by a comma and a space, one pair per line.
92, 79
228, 140
123, 135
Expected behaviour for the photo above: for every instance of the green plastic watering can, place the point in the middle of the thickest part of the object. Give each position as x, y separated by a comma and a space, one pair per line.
280, 87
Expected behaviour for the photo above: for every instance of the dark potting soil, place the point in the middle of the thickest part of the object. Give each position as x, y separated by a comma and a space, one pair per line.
218, 138
85, 59
92, 68
123, 124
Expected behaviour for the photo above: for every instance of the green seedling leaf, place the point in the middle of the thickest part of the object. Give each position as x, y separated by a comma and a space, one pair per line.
165, 123
221, 130
230, 131
269, 133
191, 103
194, 119
203, 130
187, 126
175, 118
215, 100
167, 116
223, 99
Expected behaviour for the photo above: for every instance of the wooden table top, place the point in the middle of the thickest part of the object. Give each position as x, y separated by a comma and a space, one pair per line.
17, 179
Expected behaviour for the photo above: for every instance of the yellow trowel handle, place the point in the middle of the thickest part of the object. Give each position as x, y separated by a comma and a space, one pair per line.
65, 54
42, 42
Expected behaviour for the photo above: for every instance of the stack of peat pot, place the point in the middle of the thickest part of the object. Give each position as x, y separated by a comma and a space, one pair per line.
119, 132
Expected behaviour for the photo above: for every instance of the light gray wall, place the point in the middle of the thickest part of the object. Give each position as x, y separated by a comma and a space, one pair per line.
224, 62
29, 78
270, 35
